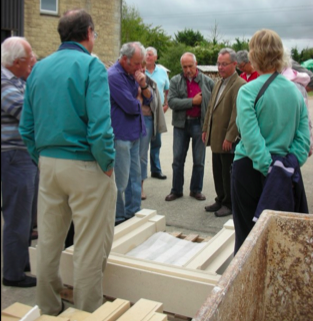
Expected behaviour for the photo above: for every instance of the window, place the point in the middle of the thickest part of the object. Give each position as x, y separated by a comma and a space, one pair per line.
49, 6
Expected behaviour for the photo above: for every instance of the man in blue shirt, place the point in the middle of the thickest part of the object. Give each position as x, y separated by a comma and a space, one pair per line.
128, 89
159, 75
18, 172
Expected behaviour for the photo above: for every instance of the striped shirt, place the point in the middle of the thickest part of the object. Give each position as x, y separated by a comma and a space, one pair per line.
12, 99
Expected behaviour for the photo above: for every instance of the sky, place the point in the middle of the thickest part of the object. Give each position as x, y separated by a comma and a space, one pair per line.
291, 19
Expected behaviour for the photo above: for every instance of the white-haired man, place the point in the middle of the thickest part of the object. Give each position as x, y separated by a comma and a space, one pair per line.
18, 172
189, 96
159, 75
128, 90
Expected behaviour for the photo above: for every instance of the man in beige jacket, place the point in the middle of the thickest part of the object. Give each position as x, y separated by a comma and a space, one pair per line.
220, 130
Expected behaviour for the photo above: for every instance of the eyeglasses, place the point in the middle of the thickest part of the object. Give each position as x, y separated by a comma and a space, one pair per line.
95, 35
223, 64
242, 65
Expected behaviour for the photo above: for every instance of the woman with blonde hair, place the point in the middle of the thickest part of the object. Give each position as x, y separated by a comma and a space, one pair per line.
272, 121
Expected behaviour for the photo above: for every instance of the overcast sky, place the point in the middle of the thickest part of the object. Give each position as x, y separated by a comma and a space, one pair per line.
291, 19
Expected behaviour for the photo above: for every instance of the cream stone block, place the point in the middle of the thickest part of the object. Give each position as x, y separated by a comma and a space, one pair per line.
74, 314
143, 310
110, 311
181, 289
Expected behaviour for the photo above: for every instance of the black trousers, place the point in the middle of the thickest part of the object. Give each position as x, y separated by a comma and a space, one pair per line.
246, 188
222, 164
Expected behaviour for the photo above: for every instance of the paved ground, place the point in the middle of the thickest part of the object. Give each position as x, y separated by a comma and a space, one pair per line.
185, 214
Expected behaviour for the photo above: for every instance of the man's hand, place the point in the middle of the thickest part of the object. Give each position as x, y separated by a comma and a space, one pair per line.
204, 137
109, 172
140, 78
165, 107
227, 146
196, 100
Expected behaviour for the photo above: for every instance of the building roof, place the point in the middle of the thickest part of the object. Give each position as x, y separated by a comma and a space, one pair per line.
207, 68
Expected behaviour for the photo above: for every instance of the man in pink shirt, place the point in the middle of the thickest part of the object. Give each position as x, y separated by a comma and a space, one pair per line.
189, 96
244, 65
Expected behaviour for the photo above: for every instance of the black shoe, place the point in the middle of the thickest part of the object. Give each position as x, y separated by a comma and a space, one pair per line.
28, 282
172, 197
62, 308
119, 222
223, 211
198, 196
158, 175
213, 208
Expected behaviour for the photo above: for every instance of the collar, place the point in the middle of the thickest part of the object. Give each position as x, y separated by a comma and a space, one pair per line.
73, 46
154, 70
122, 70
195, 78
226, 80
7, 73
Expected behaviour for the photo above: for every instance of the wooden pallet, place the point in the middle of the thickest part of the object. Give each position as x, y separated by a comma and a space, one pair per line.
118, 310
182, 289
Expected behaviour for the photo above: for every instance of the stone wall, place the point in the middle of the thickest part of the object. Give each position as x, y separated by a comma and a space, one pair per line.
41, 29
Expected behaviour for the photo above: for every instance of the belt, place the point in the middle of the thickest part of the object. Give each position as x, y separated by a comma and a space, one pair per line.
191, 118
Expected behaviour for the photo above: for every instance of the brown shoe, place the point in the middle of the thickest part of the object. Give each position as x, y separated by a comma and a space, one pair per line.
198, 196
172, 197
213, 207
223, 211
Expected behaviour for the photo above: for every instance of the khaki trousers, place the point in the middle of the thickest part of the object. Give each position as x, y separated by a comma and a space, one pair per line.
79, 191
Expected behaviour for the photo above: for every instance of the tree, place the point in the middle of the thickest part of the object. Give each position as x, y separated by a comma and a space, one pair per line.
215, 35
207, 55
241, 44
189, 37
134, 29
306, 54
172, 58
295, 54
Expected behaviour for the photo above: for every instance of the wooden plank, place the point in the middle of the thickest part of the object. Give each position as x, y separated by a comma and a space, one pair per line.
141, 310
16, 310
176, 234
110, 311
156, 317
9, 318
73, 314
50, 318
192, 237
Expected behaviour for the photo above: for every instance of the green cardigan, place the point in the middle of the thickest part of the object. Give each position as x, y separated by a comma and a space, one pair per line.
277, 125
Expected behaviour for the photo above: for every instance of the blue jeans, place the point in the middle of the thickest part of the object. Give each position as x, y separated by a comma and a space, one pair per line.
144, 146
155, 165
128, 179
192, 130
19, 195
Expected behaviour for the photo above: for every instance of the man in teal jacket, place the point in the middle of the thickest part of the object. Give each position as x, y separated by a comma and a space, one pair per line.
66, 127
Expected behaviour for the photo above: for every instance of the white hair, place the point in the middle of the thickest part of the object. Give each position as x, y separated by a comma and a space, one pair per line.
188, 54
12, 48
155, 53
128, 49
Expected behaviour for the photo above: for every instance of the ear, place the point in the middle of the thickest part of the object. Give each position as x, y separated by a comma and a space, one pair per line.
17, 63
89, 34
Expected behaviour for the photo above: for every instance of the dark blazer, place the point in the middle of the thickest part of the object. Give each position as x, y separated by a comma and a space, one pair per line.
220, 123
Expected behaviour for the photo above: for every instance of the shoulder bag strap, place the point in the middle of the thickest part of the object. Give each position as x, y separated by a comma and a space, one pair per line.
264, 87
